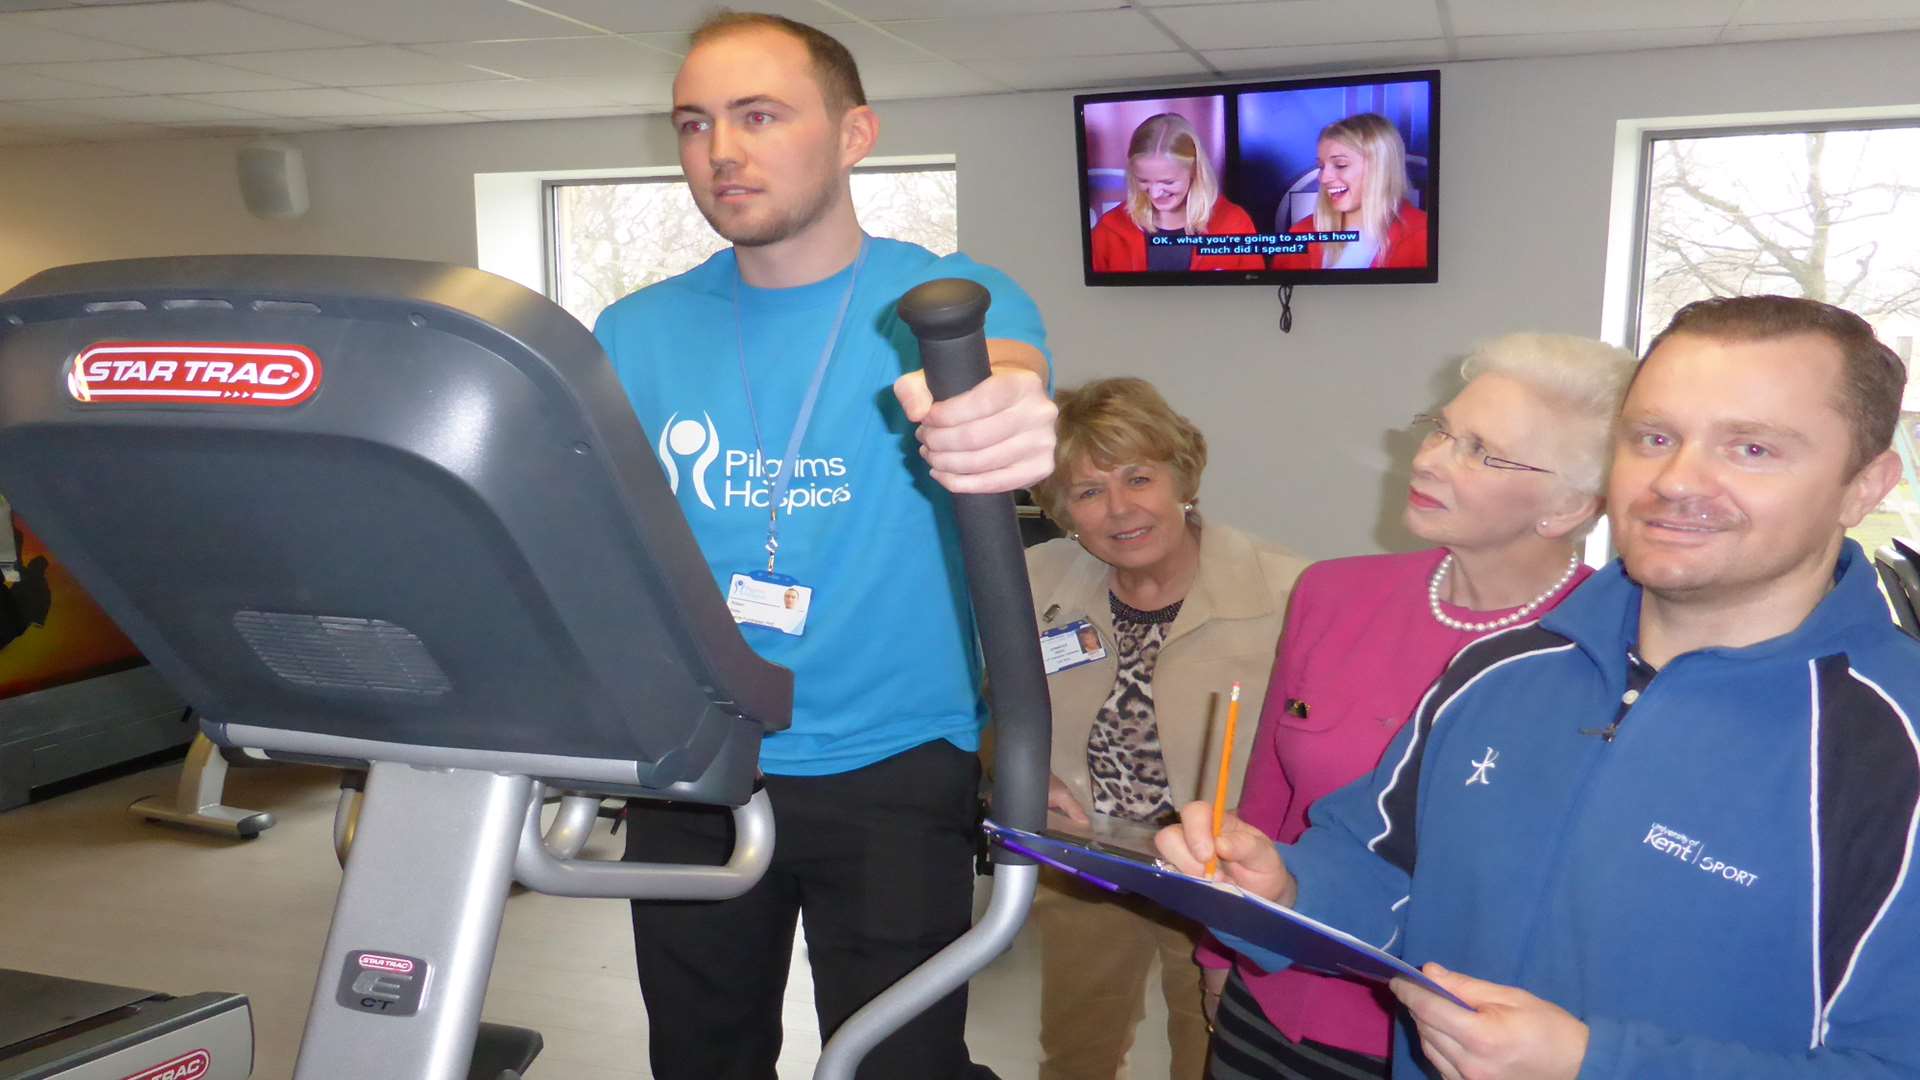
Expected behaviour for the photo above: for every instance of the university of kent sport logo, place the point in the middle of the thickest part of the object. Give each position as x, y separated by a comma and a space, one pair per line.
193, 373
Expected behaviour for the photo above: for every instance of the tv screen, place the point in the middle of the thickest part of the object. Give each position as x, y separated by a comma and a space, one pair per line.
1305, 182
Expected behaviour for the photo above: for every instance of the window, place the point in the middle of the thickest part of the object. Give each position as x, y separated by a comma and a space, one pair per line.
610, 237
1831, 213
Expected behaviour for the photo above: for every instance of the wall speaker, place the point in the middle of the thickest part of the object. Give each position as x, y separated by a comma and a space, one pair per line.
273, 179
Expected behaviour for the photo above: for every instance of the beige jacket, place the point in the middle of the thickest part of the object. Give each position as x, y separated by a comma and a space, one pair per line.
1226, 632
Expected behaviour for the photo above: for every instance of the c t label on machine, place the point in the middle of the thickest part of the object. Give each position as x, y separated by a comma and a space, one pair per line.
384, 983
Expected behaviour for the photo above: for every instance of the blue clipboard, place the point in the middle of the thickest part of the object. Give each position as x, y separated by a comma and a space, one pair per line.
1309, 943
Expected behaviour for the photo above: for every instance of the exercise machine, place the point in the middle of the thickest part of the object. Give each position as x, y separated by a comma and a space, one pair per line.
399, 516
64, 1029
199, 797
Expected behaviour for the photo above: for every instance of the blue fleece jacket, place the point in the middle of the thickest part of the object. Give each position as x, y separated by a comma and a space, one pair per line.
1722, 888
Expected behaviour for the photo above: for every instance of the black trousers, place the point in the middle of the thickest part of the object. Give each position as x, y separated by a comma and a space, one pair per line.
880, 862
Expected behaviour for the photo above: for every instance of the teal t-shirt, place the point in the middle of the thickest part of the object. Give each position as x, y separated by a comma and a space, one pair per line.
888, 660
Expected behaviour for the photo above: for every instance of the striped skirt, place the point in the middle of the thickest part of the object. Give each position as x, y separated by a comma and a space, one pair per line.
1247, 1047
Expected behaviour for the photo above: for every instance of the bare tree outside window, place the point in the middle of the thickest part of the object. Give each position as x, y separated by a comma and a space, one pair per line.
1829, 215
614, 237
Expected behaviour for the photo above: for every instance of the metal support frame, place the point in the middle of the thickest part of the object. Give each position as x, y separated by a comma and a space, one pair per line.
424, 891
198, 800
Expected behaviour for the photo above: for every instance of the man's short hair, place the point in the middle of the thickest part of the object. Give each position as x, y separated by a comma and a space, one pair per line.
1872, 378
833, 66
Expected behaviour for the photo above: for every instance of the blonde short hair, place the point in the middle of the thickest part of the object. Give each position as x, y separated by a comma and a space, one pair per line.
1113, 422
1172, 135
1583, 378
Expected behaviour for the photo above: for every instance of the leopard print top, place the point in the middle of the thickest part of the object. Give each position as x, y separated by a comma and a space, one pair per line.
1129, 777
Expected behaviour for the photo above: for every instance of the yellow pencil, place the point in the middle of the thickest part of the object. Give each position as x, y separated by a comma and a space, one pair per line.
1226, 770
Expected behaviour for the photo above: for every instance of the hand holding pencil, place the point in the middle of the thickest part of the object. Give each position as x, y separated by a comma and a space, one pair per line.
1210, 840
1226, 772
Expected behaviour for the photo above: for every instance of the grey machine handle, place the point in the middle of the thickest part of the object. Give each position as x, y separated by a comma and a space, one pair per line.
543, 863
949, 318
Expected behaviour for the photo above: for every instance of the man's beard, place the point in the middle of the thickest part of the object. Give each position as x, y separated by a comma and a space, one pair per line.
814, 207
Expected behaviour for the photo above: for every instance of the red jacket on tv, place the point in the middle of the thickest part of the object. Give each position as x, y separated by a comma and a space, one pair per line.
1120, 247
1405, 247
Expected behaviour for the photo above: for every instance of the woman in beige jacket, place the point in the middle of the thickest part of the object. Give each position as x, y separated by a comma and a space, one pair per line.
1146, 618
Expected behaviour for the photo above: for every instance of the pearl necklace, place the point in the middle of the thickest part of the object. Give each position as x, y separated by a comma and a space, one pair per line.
1524, 610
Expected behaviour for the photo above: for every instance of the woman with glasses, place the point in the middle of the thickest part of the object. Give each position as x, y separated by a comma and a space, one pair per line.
1507, 481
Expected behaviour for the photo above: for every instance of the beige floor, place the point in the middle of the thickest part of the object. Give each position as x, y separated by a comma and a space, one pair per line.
88, 892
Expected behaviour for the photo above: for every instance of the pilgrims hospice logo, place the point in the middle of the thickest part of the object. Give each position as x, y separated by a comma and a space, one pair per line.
689, 449
686, 438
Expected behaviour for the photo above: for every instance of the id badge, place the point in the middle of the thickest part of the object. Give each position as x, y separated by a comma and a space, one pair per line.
1066, 647
775, 601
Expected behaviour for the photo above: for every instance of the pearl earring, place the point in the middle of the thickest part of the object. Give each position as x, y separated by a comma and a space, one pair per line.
1186, 507
1074, 536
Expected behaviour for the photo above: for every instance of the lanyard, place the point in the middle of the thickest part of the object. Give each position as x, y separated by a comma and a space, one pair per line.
784, 477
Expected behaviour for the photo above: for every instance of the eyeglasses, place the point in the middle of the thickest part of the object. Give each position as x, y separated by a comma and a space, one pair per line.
1433, 431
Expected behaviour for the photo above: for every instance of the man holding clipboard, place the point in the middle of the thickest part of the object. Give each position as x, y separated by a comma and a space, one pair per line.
1670, 827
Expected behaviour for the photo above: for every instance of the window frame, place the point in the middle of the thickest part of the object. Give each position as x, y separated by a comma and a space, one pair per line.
551, 185
1643, 191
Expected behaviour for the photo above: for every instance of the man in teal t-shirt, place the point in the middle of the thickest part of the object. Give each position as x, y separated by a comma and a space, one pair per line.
783, 394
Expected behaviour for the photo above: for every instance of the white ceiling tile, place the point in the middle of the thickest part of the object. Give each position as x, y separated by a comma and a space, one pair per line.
999, 37
406, 22
418, 119
317, 104
936, 78
150, 110
942, 9
640, 16
495, 95
1292, 59
366, 65
1781, 31
18, 85
1482, 18
554, 58
558, 114
1515, 45
649, 91
869, 45
1090, 71
188, 27
1302, 22
1789, 11
264, 125
23, 43
160, 75
109, 132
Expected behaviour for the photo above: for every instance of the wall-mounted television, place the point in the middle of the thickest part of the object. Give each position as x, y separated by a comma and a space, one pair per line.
1303, 182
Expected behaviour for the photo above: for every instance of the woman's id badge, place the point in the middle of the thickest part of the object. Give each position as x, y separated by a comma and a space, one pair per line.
1069, 646
775, 601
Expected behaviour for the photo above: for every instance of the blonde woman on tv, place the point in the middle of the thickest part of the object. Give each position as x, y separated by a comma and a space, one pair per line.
1363, 188
1172, 192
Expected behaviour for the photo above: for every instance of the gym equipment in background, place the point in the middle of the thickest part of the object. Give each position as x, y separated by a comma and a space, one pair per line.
64, 1029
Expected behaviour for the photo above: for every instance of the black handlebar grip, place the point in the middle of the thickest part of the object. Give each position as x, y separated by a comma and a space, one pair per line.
949, 317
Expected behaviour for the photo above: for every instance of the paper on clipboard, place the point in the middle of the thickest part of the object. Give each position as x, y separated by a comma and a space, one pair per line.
1307, 942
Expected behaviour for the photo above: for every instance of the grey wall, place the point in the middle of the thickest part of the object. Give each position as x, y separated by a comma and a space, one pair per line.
1299, 424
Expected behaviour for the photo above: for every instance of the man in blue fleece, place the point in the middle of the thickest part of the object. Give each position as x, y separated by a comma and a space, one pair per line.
1669, 828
